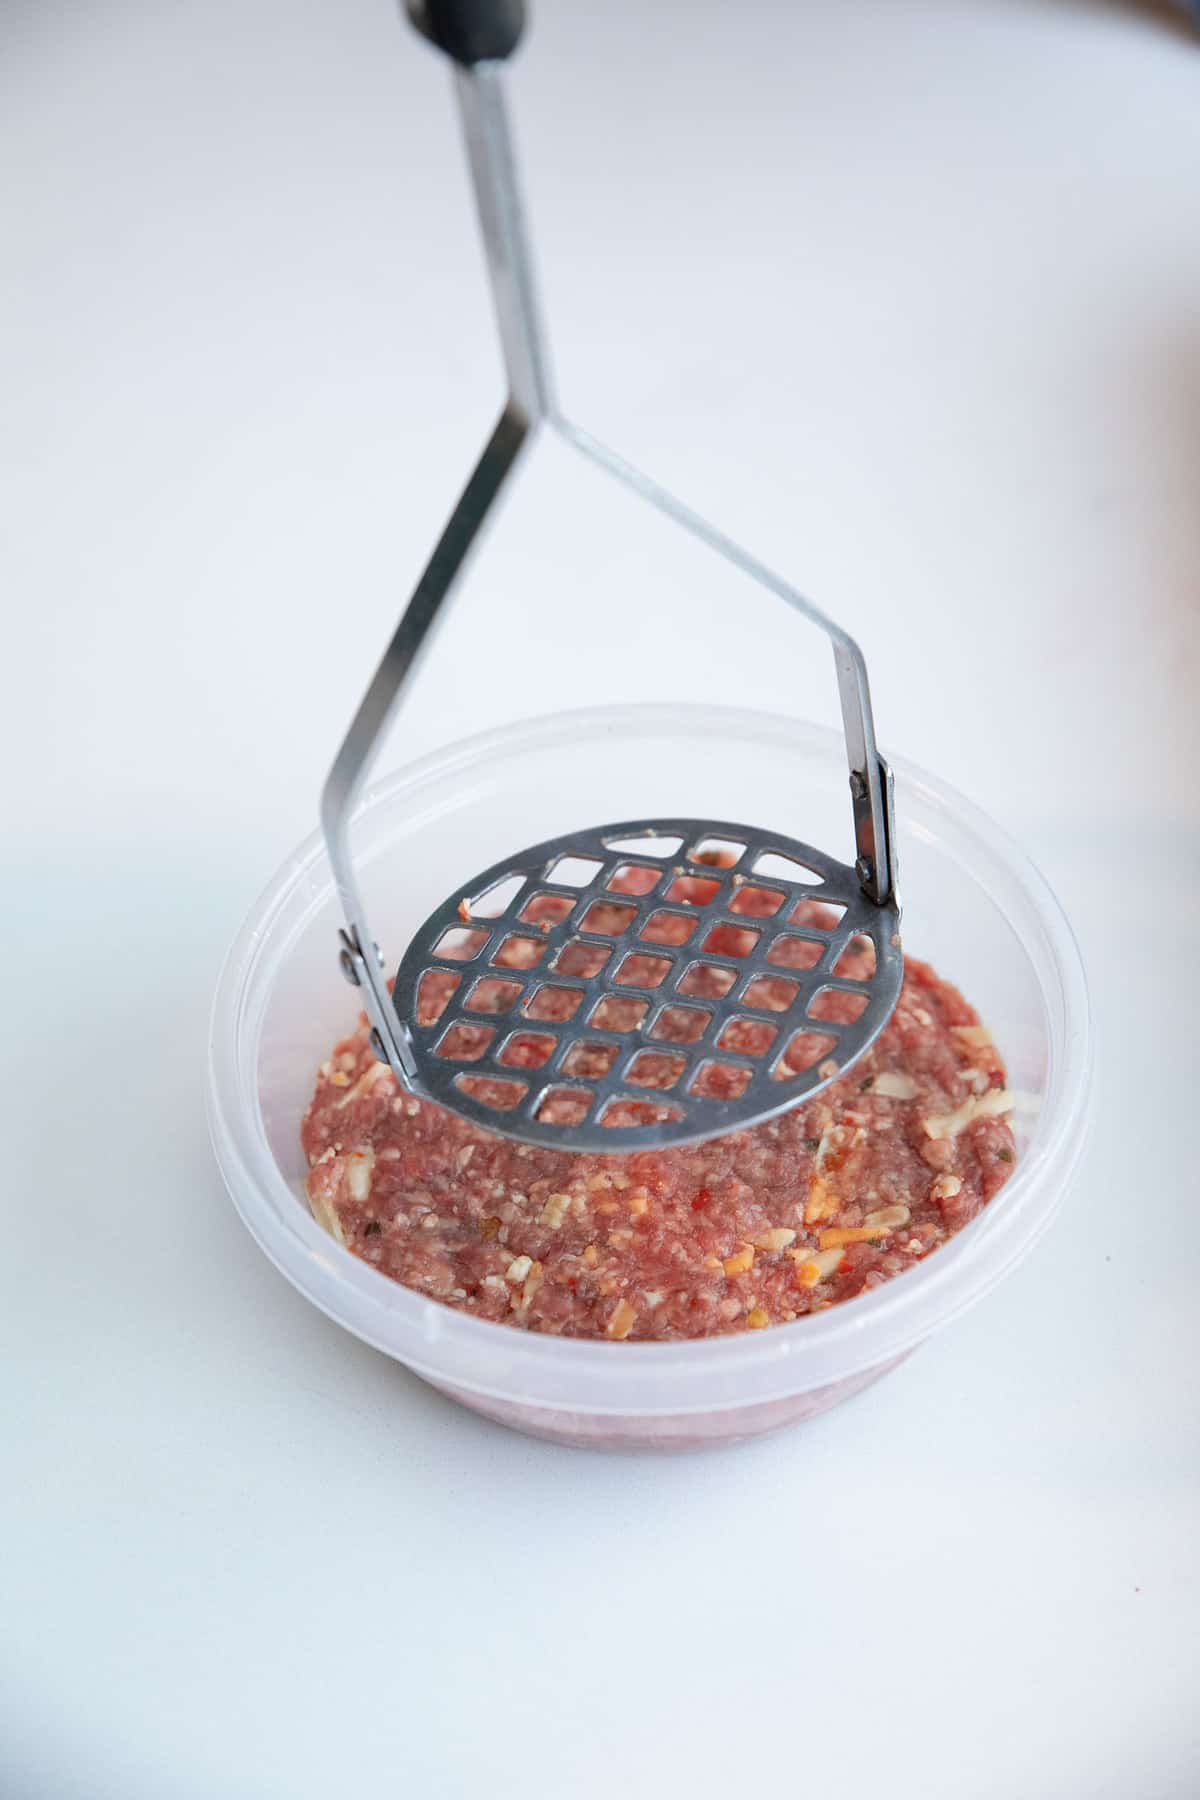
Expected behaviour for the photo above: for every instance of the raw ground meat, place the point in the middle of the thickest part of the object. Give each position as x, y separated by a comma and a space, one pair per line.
751, 1229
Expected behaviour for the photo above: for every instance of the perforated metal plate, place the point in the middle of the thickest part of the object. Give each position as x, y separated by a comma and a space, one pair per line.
647, 983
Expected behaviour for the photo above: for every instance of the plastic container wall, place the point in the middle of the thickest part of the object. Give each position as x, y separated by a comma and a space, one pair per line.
973, 906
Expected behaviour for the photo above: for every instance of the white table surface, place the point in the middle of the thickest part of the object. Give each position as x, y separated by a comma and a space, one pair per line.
908, 296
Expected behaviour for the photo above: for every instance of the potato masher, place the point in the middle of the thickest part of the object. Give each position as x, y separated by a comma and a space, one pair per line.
641, 983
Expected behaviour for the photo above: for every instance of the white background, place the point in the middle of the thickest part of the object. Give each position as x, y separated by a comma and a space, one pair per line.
907, 296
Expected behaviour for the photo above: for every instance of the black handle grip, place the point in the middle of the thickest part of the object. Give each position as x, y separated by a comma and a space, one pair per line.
470, 31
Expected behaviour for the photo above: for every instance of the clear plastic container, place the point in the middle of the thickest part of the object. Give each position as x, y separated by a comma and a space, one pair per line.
974, 906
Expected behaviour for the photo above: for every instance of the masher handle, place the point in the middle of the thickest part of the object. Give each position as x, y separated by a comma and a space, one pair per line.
470, 31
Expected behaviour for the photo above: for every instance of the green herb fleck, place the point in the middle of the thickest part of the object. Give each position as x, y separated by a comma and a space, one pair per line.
372, 1228
1006, 1156
867, 1082
812, 1143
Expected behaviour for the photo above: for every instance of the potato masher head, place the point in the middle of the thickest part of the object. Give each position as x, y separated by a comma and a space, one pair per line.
638, 984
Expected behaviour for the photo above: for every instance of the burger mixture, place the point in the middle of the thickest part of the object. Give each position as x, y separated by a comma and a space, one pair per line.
755, 1228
